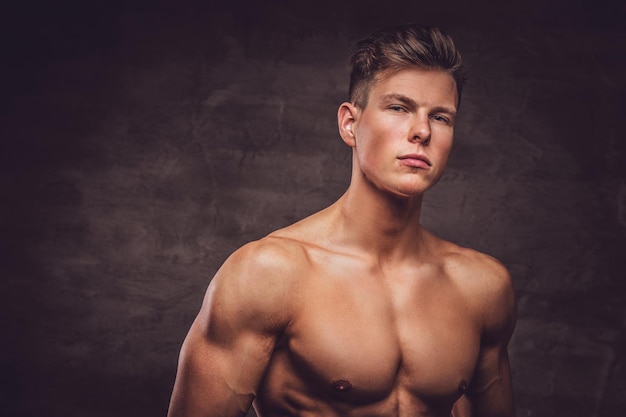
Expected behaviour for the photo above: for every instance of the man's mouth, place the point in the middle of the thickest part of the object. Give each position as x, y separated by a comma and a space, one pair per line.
415, 160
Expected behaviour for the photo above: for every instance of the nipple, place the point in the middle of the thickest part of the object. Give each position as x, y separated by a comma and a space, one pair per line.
462, 387
342, 385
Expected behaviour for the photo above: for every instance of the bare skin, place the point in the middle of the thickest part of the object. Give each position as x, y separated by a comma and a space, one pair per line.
358, 310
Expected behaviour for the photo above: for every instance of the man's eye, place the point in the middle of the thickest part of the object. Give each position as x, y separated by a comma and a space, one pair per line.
396, 108
441, 119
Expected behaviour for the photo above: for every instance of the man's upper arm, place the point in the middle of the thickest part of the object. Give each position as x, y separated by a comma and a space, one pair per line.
230, 343
490, 393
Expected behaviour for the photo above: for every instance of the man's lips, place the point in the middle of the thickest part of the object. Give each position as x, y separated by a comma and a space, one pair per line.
415, 160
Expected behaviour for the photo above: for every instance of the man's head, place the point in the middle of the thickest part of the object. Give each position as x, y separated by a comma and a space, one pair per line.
400, 47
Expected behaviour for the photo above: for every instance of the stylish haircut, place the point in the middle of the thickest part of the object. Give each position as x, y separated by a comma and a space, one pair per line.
400, 47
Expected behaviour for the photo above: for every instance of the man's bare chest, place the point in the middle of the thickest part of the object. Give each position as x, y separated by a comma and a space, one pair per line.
362, 339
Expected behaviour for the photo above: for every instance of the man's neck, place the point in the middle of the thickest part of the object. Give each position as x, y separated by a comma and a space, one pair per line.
379, 224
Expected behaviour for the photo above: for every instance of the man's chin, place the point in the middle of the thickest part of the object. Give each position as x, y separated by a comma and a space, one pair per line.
412, 191
408, 194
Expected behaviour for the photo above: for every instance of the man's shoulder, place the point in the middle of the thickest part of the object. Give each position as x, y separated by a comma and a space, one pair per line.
258, 283
281, 258
270, 256
482, 275
487, 283
471, 263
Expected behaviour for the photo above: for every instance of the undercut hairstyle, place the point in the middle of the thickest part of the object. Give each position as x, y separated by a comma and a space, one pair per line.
400, 47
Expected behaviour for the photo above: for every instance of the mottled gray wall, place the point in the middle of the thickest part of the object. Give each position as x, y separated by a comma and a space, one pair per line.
142, 143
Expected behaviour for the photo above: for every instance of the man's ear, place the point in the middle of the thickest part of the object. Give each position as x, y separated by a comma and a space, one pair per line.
346, 117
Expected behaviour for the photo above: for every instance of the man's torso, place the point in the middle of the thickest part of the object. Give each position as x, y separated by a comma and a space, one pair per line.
397, 340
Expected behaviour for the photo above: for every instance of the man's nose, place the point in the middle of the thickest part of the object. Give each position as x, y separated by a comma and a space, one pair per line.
421, 132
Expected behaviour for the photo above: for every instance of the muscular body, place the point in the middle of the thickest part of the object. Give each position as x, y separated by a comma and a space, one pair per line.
358, 310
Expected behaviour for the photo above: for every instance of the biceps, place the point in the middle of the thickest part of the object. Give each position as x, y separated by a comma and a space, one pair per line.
219, 379
491, 393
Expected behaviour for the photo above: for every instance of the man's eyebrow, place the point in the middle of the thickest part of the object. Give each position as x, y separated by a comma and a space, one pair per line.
412, 103
444, 109
400, 97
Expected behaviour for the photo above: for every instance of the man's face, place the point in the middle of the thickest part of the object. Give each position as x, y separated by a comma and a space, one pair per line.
403, 137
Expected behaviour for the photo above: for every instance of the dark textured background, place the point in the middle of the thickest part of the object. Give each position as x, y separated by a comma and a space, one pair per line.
143, 141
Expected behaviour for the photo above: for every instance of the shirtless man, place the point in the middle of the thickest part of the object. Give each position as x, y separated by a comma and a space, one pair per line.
358, 310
